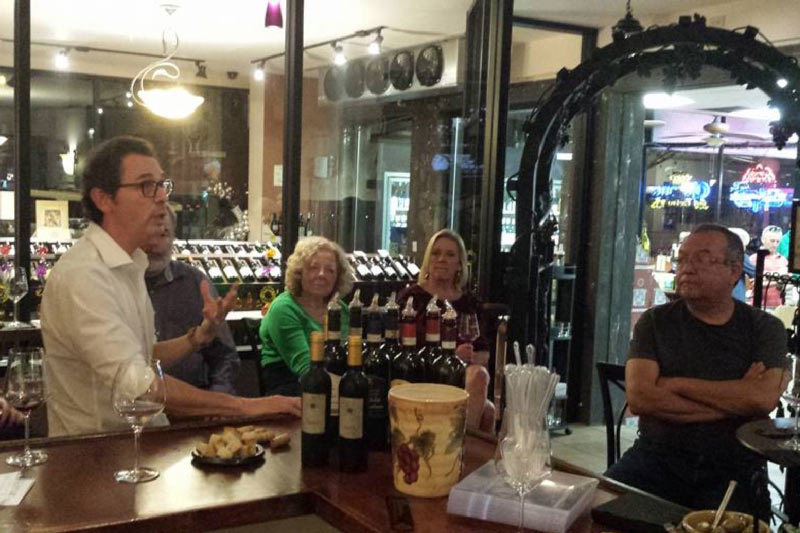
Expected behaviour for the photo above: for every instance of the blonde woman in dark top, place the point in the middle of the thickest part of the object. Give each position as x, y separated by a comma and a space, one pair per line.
444, 274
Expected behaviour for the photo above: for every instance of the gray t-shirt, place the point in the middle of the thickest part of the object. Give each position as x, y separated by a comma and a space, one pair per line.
684, 346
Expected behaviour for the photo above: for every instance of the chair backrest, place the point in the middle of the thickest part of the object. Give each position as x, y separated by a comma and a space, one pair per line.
612, 374
251, 327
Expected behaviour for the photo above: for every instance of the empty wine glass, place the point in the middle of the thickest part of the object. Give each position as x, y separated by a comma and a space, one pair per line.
24, 390
468, 328
525, 454
792, 395
16, 281
138, 394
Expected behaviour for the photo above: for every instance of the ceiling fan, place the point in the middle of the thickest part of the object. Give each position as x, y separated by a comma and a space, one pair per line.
716, 133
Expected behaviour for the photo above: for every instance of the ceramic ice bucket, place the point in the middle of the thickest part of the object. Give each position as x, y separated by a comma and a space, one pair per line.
428, 423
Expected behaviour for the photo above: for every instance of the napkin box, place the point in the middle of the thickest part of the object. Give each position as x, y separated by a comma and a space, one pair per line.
552, 506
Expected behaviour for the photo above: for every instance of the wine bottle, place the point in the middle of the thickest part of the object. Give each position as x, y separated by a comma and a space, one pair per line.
362, 271
376, 368
448, 368
353, 401
199, 266
245, 272
213, 270
356, 315
376, 270
259, 270
316, 387
231, 275
432, 349
274, 225
335, 360
391, 316
408, 367
413, 270
402, 273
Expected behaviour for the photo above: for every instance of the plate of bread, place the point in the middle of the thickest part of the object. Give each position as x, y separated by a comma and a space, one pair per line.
237, 446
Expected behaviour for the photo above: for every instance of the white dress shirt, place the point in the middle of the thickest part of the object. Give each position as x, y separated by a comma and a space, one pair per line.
95, 314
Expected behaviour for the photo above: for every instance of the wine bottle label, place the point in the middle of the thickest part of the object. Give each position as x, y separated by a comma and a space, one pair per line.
432, 337
351, 418
333, 335
313, 413
409, 334
448, 345
391, 334
377, 407
373, 338
335, 379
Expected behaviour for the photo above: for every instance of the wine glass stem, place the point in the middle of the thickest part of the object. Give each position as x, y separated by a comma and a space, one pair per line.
16, 311
137, 431
521, 510
27, 416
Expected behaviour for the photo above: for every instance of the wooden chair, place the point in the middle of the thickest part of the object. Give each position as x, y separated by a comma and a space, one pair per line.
251, 327
612, 374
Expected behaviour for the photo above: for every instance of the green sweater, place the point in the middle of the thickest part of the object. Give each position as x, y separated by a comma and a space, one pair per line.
285, 331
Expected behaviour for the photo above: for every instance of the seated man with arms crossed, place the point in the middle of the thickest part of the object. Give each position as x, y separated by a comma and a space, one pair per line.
174, 288
699, 368
95, 310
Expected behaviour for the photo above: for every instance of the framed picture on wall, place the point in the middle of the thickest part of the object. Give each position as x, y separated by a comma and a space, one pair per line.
52, 220
794, 242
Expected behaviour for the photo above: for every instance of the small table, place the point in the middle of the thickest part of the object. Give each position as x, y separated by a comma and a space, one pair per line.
763, 437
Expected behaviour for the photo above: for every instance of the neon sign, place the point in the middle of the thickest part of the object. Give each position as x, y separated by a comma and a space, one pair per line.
758, 190
760, 175
680, 190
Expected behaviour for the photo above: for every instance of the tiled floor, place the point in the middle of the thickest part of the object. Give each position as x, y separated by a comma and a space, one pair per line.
586, 447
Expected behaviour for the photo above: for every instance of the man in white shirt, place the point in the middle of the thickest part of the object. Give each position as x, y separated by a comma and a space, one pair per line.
96, 313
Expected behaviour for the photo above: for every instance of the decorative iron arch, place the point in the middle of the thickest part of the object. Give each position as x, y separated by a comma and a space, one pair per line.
680, 51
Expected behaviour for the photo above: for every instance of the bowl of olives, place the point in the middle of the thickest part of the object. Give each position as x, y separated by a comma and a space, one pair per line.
732, 522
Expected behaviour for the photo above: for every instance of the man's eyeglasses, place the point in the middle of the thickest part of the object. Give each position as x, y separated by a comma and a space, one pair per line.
701, 260
150, 188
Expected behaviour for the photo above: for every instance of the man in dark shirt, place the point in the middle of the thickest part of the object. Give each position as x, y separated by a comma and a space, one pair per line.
698, 368
174, 289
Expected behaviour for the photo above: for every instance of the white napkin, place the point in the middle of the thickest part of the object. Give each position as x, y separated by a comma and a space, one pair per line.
13, 488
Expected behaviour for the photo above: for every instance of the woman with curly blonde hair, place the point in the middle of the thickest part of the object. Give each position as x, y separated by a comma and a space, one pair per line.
316, 271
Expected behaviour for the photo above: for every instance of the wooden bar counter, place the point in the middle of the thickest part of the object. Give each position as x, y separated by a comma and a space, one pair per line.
75, 489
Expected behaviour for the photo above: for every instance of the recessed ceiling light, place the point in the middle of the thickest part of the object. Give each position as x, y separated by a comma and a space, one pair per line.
762, 113
665, 101
782, 83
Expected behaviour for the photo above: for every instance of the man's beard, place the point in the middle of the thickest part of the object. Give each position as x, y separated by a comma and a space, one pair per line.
157, 265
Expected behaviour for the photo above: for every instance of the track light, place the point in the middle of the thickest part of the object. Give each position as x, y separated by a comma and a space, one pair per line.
258, 73
338, 54
782, 83
99, 110
201, 70
374, 47
274, 16
61, 60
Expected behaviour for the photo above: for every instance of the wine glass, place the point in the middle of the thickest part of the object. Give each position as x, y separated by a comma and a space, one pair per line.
138, 394
525, 453
16, 281
468, 328
792, 395
24, 390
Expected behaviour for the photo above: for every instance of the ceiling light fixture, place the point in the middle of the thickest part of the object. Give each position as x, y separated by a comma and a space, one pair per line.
665, 101
99, 110
274, 17
338, 54
782, 83
61, 60
258, 73
174, 102
3, 80
374, 47
3, 139
626, 25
